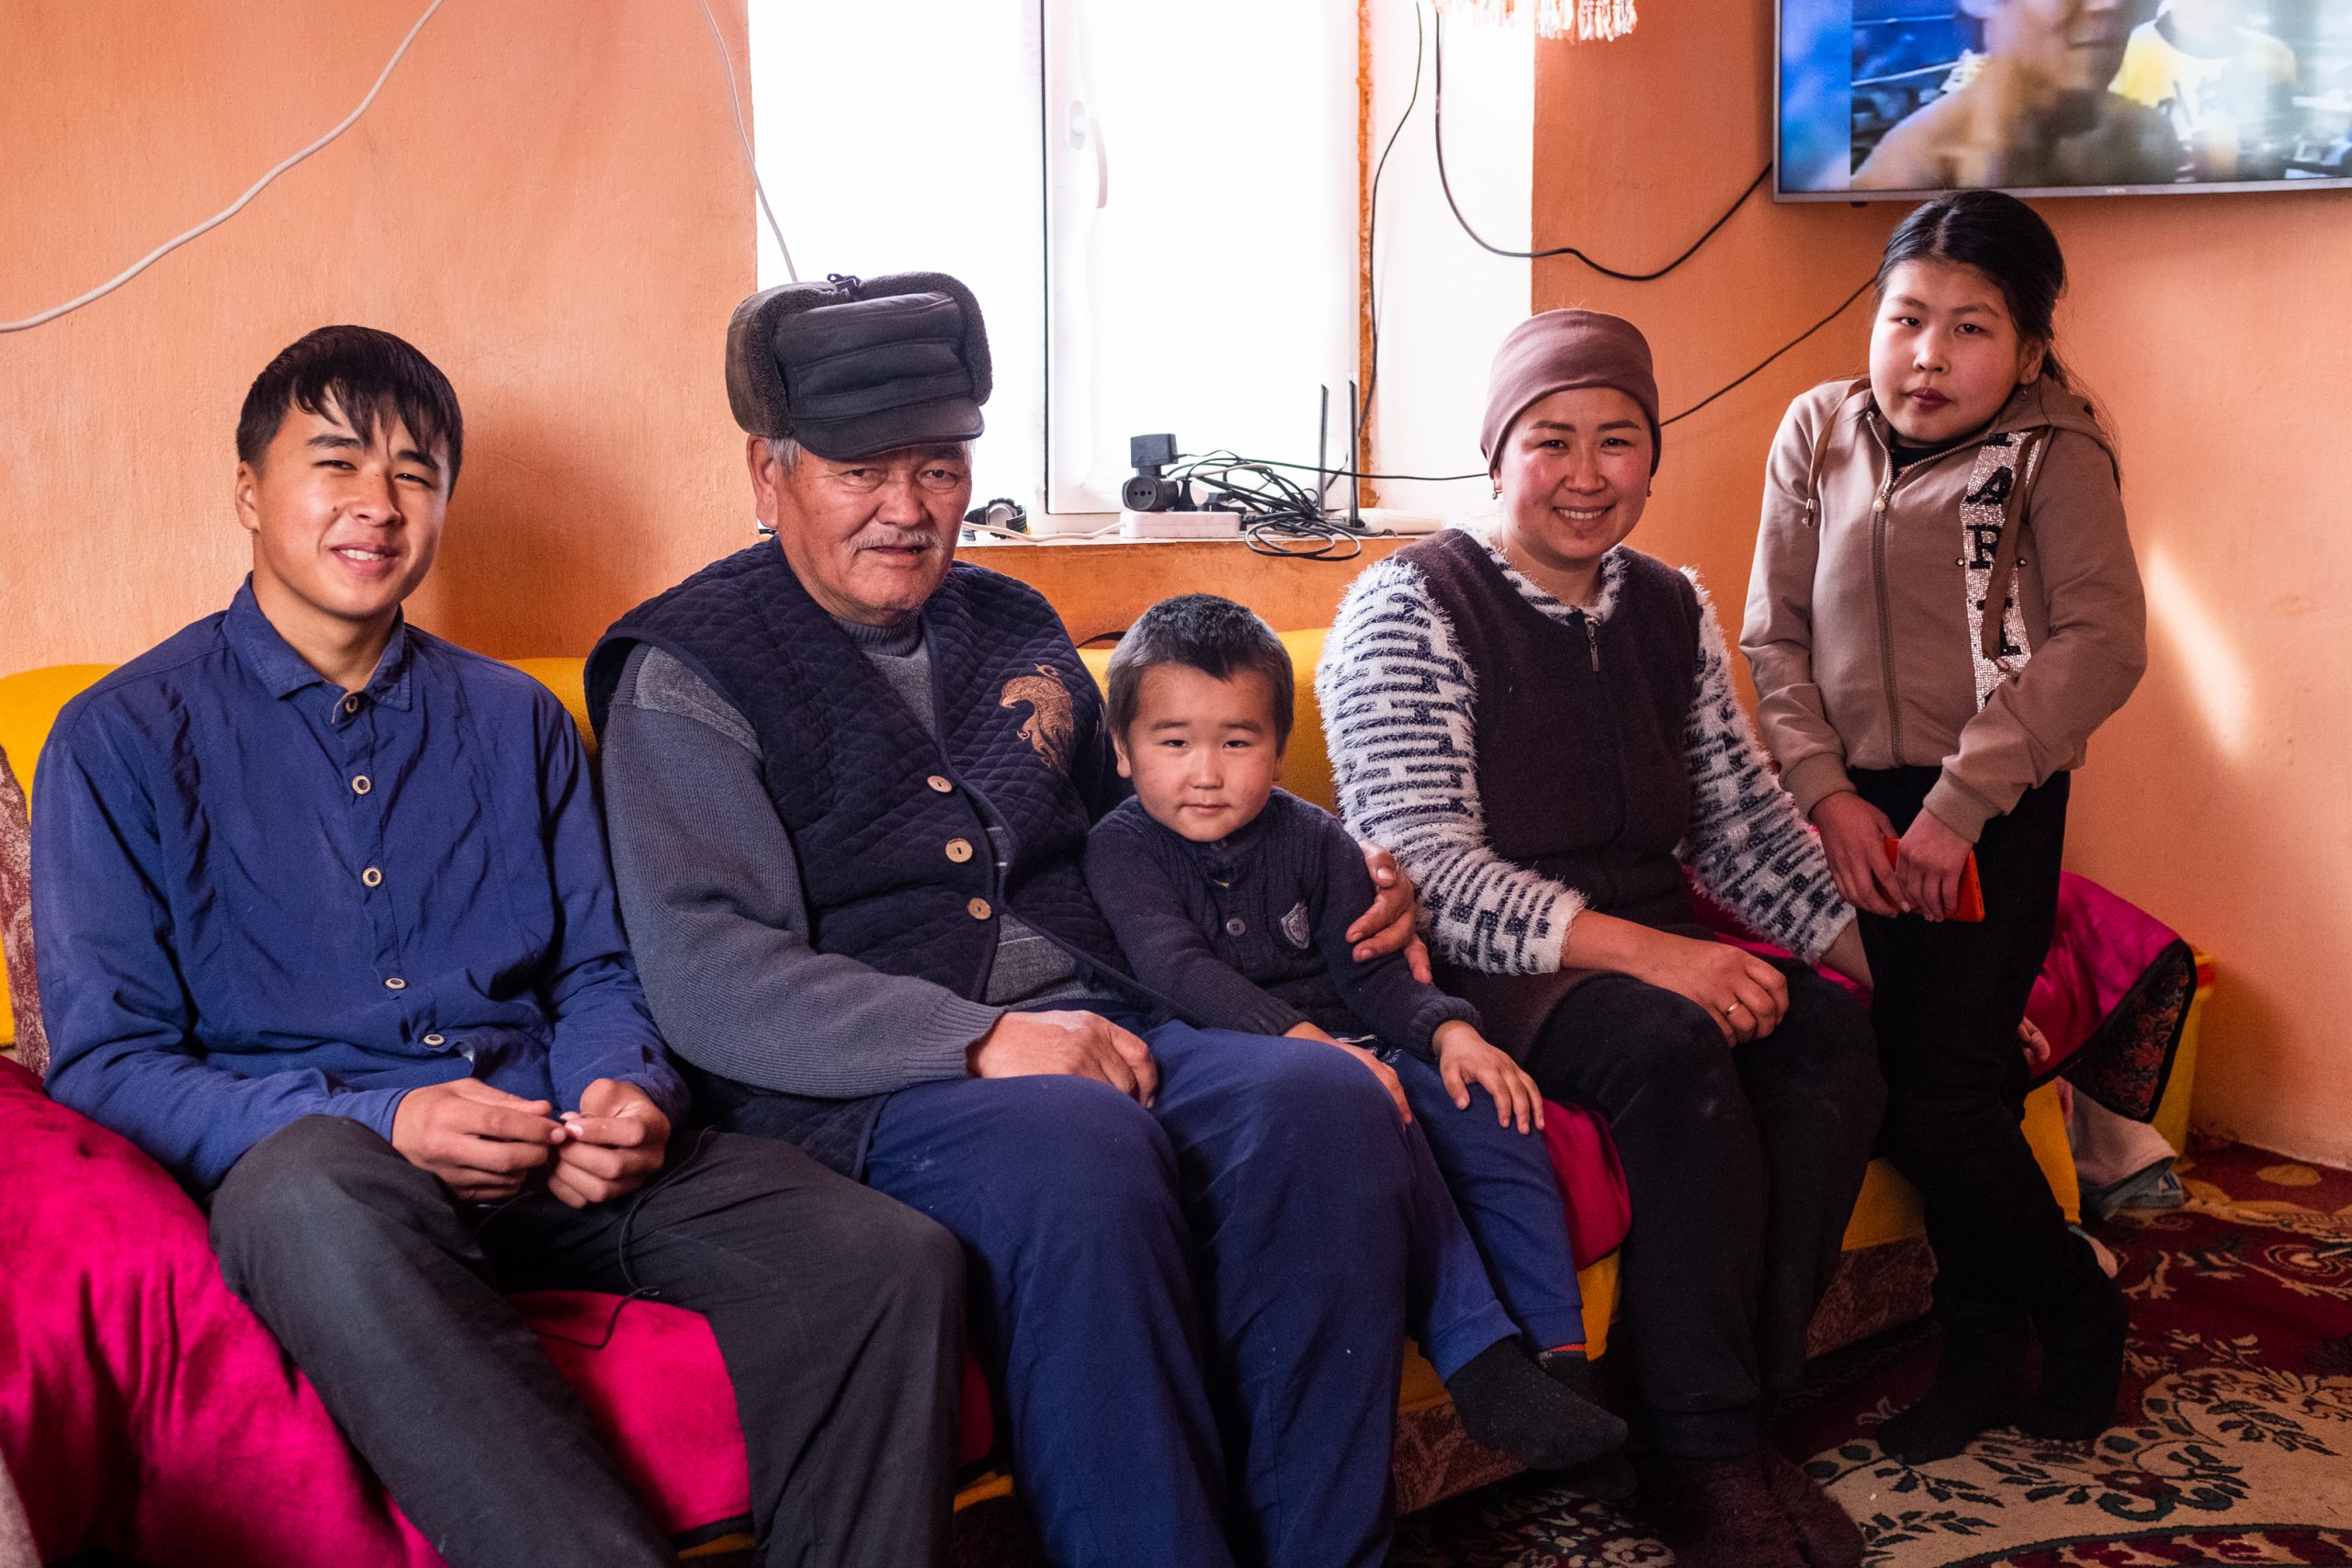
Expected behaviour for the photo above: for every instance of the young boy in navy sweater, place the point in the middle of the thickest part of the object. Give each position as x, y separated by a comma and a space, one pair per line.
1232, 897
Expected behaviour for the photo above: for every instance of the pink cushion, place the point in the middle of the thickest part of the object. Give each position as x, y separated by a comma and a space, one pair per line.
1592, 1184
143, 1409
651, 1376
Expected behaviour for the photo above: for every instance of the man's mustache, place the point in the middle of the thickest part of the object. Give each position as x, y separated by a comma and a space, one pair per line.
888, 538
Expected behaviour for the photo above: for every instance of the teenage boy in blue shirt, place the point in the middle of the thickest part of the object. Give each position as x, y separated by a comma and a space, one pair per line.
332, 935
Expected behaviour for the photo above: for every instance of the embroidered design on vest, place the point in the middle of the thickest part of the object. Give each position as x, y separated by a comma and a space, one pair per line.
1295, 927
1984, 512
1052, 722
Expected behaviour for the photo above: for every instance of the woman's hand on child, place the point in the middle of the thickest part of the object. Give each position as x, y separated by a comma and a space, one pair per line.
1392, 924
1854, 835
1465, 1057
1076, 1044
1928, 868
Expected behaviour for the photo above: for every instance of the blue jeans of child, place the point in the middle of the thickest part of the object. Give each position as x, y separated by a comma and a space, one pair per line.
1500, 1181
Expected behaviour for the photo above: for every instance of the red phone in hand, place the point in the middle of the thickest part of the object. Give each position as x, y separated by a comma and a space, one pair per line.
1968, 906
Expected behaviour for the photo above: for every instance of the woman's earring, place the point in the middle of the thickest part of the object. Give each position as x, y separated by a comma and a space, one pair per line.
1499, 492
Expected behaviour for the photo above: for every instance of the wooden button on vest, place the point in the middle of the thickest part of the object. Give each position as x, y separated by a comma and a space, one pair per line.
939, 782
978, 909
959, 850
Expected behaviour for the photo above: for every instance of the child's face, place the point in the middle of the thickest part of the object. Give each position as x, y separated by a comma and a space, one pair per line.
1944, 353
1201, 750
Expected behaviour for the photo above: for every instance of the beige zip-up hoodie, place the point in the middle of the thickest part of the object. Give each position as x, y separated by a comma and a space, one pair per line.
1862, 618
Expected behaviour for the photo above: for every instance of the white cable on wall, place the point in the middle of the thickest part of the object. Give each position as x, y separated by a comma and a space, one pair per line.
743, 139
168, 246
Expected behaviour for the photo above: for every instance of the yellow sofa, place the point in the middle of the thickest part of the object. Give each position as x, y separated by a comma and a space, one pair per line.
1888, 1265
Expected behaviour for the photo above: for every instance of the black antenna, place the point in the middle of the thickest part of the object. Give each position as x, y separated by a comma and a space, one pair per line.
1322, 449
1355, 513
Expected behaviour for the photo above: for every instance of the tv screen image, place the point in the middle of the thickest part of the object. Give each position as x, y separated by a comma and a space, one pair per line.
1898, 99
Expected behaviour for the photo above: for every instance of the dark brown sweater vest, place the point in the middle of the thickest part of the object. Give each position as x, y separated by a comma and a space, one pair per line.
1584, 771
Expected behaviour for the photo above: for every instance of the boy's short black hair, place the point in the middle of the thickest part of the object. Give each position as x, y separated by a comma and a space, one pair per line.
362, 374
1203, 632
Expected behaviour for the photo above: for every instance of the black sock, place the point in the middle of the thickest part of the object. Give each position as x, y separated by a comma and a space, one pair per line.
1506, 1402
2082, 1331
1569, 1370
1978, 1377
1954, 1409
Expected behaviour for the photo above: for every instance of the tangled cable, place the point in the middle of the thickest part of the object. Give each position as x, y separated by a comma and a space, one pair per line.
1279, 515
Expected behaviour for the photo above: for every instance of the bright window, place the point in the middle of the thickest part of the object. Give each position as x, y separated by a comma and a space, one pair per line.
1155, 204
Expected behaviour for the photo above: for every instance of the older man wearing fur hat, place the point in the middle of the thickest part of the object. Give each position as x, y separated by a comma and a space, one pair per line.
849, 780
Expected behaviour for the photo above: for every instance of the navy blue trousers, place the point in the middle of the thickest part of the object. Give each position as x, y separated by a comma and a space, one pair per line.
1489, 1195
1191, 1316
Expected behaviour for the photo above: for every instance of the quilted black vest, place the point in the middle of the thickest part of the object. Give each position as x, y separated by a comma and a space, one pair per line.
887, 818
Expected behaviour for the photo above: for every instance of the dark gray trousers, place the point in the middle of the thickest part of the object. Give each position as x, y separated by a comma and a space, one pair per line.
1742, 1163
839, 1312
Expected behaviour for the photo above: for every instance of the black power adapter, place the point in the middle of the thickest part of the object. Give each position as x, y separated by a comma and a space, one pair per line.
1150, 489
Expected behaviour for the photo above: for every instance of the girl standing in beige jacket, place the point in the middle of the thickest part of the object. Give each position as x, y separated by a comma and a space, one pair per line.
1944, 607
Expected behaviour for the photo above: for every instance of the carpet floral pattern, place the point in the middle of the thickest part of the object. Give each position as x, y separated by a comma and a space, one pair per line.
2238, 1392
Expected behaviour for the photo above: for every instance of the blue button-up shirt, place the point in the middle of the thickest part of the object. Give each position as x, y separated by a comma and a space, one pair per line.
257, 898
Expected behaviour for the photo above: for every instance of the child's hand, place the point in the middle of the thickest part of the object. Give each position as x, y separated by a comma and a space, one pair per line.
1384, 1072
1465, 1057
1928, 865
2038, 1049
1304, 1031
1854, 835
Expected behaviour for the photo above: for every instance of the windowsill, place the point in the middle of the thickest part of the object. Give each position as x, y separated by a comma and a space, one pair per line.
1100, 586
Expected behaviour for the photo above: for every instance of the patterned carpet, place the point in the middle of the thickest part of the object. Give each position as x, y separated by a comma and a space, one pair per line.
2240, 1449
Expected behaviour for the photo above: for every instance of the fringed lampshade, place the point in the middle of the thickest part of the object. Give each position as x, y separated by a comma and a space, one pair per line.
1602, 19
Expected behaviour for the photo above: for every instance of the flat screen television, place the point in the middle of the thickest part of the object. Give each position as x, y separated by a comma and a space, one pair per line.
1899, 99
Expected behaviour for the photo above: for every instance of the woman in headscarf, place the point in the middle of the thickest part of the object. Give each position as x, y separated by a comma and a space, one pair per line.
1539, 723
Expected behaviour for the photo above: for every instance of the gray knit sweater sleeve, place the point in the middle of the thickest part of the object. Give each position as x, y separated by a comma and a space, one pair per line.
710, 891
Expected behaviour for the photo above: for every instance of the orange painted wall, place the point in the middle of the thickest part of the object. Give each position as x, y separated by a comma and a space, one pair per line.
2211, 329
547, 199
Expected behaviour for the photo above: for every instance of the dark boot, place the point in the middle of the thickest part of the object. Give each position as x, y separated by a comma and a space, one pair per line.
1719, 1514
1826, 1533
1979, 1381
2082, 1326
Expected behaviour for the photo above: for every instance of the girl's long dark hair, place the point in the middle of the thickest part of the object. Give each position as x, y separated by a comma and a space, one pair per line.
2008, 242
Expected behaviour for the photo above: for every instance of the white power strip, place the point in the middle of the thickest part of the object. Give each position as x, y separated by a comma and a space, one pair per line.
1228, 524
1179, 524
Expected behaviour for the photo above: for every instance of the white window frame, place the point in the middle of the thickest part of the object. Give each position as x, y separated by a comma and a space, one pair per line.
926, 82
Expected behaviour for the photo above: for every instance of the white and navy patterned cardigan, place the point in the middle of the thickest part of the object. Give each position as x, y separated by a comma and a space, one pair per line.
1397, 703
